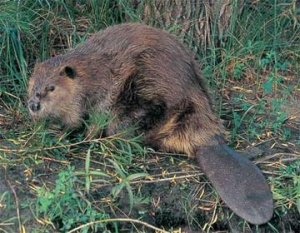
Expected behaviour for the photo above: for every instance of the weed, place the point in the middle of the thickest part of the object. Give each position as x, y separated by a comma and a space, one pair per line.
287, 197
65, 206
124, 182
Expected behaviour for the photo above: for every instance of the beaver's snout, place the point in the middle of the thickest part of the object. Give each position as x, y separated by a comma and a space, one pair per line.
34, 105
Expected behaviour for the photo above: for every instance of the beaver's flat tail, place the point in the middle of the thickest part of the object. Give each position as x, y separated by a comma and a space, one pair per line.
238, 181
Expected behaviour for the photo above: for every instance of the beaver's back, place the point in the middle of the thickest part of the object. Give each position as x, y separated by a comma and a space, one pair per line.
131, 37
157, 55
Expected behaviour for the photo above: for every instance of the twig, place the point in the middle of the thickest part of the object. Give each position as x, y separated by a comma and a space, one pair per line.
153, 181
59, 146
168, 153
264, 141
54, 160
276, 155
119, 220
166, 179
46, 148
17, 203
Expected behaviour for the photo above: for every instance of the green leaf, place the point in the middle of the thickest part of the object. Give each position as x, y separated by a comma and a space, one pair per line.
119, 169
115, 191
268, 86
136, 176
87, 171
130, 195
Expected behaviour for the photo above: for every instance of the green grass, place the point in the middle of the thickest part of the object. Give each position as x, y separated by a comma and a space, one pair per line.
64, 180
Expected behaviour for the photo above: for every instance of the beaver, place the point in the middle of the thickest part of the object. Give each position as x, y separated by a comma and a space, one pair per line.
144, 75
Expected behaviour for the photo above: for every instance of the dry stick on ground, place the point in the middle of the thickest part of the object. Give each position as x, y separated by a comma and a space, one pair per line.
62, 146
155, 181
119, 220
276, 155
17, 203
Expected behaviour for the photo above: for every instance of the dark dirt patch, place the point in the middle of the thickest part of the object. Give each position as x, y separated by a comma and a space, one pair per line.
13, 187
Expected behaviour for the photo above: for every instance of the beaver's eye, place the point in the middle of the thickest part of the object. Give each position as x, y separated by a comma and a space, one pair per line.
51, 88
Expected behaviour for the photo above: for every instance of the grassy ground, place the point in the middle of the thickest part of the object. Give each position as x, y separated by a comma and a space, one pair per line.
55, 181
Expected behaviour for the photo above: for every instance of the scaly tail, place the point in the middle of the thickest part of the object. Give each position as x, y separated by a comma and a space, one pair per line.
238, 181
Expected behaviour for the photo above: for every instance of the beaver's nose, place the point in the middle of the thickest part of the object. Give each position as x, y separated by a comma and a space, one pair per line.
34, 105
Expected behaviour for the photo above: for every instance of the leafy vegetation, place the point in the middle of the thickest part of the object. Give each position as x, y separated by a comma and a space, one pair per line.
65, 204
57, 180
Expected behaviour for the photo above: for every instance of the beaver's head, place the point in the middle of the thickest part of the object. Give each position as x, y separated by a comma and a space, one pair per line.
54, 92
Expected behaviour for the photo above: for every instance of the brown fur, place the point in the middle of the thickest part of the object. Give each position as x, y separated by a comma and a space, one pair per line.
150, 59
144, 75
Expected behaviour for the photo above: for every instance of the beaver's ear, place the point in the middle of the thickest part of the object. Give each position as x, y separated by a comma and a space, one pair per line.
69, 72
